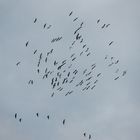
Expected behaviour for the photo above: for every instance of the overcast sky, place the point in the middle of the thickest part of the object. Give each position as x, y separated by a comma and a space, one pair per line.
110, 111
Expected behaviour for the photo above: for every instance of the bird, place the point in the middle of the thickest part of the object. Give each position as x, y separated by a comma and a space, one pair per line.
18, 63
27, 43
81, 40
98, 74
35, 51
38, 71
85, 134
81, 53
75, 19
81, 24
46, 59
117, 62
116, 78
44, 25
49, 27
111, 43
106, 56
35, 20
93, 87
107, 25
86, 49
48, 117
84, 46
15, 115
89, 136
52, 94
70, 13
20, 119
55, 63
98, 20
77, 30
124, 72
64, 121
88, 54
37, 114
30, 82
103, 26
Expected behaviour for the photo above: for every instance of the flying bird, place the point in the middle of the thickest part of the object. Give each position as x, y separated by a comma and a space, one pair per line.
64, 121
35, 51
116, 78
37, 114
44, 25
75, 19
85, 134
38, 71
107, 25
103, 26
15, 115
52, 94
27, 43
82, 24
124, 72
48, 117
20, 119
111, 43
89, 136
70, 13
18, 63
98, 20
117, 62
35, 20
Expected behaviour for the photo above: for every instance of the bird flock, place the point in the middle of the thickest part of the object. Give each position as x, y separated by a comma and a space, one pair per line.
67, 73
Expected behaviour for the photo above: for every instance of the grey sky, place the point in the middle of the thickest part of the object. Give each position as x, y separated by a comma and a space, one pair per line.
110, 111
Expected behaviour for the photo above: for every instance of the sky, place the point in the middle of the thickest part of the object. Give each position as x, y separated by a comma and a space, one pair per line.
110, 111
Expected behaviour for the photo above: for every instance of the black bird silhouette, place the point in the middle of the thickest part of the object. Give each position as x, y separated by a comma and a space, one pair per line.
117, 62
103, 26
81, 40
35, 20
15, 115
98, 20
81, 53
70, 13
88, 54
124, 72
37, 114
27, 43
52, 94
84, 46
44, 25
111, 43
89, 136
48, 117
64, 121
75, 19
93, 87
20, 119
98, 74
107, 25
18, 63
82, 24
116, 78
30, 82
38, 71
85, 134
35, 51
